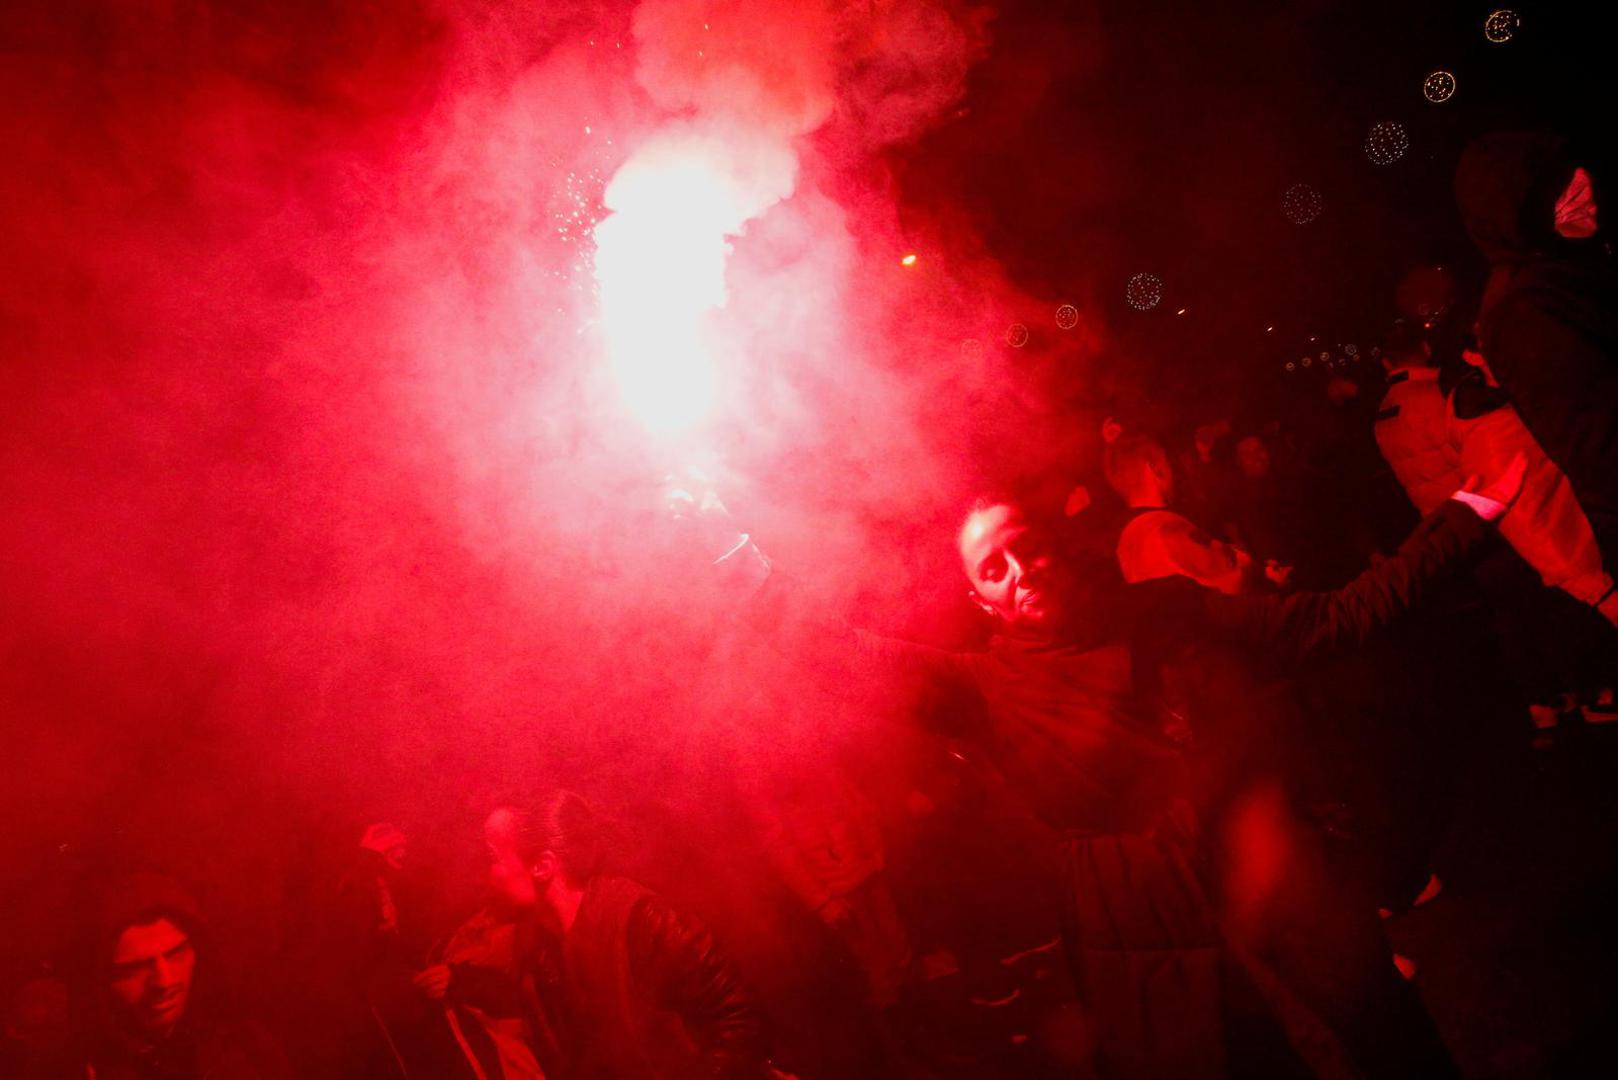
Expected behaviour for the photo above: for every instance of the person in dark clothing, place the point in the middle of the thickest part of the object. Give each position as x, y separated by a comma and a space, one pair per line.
35, 1025
1549, 318
1267, 509
620, 984
378, 1009
1061, 722
154, 1013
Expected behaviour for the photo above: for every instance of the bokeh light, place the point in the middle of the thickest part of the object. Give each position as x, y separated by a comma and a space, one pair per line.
1144, 291
1301, 204
1016, 335
1501, 26
1067, 317
1386, 142
1439, 87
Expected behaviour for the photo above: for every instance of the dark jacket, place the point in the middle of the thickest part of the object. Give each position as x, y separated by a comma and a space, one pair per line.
639, 991
198, 1050
1066, 726
1216, 659
1549, 320
1064, 723
208, 1042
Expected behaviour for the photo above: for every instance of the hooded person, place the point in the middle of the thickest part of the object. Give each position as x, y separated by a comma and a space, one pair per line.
156, 1011
1549, 318
1433, 436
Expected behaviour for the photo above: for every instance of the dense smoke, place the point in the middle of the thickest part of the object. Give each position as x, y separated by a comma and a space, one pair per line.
319, 488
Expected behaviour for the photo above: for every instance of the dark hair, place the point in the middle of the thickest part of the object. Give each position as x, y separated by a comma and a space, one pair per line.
567, 827
1405, 343
1127, 454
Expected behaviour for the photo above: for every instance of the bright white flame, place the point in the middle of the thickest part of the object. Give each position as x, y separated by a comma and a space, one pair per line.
660, 263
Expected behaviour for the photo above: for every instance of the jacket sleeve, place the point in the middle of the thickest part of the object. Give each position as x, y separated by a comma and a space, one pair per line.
1301, 624
680, 964
1565, 386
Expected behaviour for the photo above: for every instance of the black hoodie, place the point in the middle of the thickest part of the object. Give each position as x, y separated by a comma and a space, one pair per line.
1549, 320
203, 1044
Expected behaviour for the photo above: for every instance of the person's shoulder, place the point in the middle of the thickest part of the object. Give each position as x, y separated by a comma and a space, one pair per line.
1154, 520
242, 1046
1154, 596
652, 912
1547, 288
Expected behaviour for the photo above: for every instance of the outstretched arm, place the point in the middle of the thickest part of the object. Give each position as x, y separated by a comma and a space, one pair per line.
778, 609
1306, 623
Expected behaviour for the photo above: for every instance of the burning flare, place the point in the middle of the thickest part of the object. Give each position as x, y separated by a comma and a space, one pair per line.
660, 262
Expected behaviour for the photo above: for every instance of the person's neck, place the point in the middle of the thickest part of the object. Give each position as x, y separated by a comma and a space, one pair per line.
1149, 499
564, 902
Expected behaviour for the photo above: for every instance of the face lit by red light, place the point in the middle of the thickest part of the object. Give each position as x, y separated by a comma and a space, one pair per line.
510, 878
1253, 457
1011, 568
152, 968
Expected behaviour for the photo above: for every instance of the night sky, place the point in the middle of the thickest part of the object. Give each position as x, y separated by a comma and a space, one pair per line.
1106, 139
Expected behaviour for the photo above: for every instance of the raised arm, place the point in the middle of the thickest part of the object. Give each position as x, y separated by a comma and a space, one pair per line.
780, 612
778, 609
1304, 623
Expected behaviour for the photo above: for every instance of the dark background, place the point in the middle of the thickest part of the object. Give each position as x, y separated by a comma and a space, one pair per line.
1103, 140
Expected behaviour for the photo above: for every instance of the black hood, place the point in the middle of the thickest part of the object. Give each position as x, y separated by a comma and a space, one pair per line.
1507, 185
139, 898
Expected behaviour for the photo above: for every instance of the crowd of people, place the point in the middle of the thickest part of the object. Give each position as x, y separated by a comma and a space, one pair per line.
1179, 656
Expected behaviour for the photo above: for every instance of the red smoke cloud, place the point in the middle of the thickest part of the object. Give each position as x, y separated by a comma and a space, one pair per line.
315, 474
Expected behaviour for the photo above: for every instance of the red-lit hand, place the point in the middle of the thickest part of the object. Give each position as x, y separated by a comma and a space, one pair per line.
433, 982
690, 501
1496, 497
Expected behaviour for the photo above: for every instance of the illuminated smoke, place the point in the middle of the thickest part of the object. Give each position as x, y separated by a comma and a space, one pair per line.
660, 261
314, 428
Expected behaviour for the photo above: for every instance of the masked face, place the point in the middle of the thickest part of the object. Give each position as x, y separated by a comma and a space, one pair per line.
152, 968
1576, 209
1010, 566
